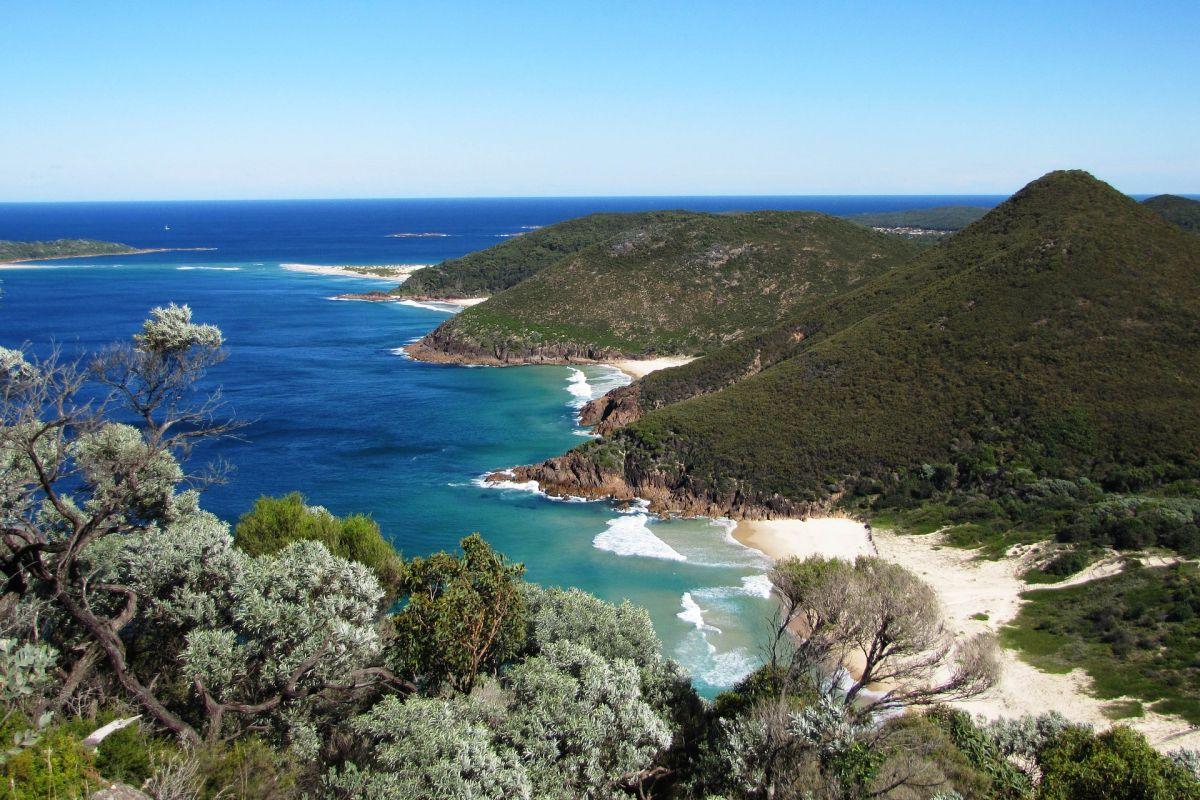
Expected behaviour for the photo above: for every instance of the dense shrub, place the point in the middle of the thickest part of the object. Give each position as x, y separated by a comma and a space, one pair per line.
275, 522
55, 767
1115, 765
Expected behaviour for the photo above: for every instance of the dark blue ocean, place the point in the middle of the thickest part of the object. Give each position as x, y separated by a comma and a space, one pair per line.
333, 410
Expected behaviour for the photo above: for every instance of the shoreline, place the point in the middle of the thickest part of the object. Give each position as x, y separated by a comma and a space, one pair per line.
641, 367
633, 367
138, 252
969, 588
396, 271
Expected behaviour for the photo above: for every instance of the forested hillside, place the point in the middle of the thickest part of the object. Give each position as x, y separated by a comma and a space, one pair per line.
1182, 211
1059, 334
685, 285
60, 248
506, 264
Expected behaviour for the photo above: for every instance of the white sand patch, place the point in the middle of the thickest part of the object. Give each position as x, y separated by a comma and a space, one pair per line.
640, 367
968, 587
379, 272
832, 537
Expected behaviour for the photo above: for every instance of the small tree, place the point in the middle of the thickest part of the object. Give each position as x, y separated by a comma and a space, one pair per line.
463, 615
71, 476
889, 624
99, 526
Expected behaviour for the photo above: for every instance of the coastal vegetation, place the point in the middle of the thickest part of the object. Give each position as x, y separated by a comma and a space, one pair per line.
60, 248
1053, 339
1137, 634
680, 285
497, 268
143, 642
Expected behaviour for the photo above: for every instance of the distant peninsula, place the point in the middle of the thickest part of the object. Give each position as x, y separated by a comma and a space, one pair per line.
17, 252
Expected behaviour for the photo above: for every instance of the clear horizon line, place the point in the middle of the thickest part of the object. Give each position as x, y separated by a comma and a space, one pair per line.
1192, 195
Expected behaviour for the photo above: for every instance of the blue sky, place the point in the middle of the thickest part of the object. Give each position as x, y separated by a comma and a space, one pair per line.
160, 100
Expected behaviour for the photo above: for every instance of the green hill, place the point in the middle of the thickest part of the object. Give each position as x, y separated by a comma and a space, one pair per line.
684, 284
937, 218
1058, 336
1182, 211
506, 264
60, 248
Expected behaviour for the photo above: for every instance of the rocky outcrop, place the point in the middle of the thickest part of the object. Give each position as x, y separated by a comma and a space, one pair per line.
371, 297
442, 346
576, 474
618, 408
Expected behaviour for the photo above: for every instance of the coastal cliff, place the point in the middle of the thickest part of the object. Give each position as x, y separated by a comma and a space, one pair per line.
677, 285
443, 347
620, 407
579, 473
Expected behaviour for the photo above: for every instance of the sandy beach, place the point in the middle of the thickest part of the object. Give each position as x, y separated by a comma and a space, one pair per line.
970, 588
441, 305
638, 368
380, 272
832, 537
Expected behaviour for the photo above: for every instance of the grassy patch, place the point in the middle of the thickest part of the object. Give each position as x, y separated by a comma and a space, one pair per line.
1124, 709
1137, 634
1063, 565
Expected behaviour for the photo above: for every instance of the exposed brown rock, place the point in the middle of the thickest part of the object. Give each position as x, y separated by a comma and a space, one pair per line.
618, 408
442, 348
371, 297
575, 474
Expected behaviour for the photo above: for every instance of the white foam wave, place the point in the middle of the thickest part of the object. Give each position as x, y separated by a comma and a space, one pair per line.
584, 389
579, 388
693, 614
445, 308
750, 586
703, 661
757, 586
628, 535
727, 669
211, 269
522, 486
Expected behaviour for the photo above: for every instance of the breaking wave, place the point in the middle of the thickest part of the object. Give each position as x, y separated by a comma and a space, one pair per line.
629, 535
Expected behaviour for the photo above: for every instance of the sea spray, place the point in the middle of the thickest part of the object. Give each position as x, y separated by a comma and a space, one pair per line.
693, 614
628, 535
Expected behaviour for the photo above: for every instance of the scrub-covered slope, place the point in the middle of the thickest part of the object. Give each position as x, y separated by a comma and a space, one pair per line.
1182, 211
1060, 334
497, 268
682, 285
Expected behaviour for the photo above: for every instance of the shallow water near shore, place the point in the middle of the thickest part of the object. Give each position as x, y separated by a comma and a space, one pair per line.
333, 410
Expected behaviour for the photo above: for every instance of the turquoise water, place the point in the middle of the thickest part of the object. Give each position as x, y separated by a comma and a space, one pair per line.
332, 409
